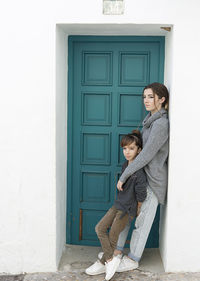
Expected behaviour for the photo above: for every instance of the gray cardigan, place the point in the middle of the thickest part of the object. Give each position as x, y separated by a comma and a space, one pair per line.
153, 157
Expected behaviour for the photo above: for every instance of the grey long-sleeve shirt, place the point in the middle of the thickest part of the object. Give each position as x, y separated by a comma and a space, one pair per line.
153, 157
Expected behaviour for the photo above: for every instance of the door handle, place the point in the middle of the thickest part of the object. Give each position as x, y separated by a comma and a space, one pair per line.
80, 224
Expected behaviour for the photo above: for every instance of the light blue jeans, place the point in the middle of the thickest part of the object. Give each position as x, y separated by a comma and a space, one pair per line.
143, 225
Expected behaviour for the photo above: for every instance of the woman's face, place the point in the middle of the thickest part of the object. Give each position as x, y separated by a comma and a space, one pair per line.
151, 101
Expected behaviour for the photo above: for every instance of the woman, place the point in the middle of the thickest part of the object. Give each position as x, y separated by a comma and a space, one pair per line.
153, 158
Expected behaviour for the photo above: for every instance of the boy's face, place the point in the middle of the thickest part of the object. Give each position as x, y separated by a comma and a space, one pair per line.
131, 151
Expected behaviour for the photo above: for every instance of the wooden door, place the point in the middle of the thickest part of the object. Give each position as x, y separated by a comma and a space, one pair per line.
106, 79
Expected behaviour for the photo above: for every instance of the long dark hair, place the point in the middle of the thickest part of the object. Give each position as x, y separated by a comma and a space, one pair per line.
161, 91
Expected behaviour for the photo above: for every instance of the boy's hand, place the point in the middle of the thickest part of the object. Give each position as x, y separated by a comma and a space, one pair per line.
119, 185
138, 208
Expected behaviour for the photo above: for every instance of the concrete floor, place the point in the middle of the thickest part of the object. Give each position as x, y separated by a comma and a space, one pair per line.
74, 255
76, 259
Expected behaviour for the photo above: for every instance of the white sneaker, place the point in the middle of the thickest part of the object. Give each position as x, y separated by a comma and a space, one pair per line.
127, 264
100, 255
112, 266
96, 268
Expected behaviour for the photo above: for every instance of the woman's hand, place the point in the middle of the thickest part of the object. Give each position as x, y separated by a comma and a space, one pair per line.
119, 185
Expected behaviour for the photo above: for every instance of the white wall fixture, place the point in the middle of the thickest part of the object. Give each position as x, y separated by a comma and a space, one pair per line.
113, 7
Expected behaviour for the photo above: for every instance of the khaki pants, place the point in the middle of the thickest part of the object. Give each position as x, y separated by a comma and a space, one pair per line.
116, 223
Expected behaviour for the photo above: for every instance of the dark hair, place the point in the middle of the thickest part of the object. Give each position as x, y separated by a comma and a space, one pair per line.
135, 137
161, 91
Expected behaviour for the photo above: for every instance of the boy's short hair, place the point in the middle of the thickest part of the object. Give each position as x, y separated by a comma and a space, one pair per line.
135, 137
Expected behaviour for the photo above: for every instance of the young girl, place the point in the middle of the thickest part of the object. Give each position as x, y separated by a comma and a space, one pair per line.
153, 158
125, 208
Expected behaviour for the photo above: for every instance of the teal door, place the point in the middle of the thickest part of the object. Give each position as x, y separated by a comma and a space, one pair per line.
106, 78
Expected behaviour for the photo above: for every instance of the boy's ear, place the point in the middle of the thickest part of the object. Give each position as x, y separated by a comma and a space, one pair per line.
139, 150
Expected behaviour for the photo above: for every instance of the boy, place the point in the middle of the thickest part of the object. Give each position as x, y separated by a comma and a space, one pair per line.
125, 208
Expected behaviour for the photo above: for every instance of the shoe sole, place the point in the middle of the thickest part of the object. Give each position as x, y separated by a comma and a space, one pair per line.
123, 270
92, 274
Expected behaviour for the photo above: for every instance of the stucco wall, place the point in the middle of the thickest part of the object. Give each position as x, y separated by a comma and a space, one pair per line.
27, 165
33, 135
61, 139
182, 228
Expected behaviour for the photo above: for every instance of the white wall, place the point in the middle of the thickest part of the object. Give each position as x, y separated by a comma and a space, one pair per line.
182, 226
27, 142
32, 175
61, 139
168, 74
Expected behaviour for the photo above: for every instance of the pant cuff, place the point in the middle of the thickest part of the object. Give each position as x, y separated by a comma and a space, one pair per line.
134, 257
119, 248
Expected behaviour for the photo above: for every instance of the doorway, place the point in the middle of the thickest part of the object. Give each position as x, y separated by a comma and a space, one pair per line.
106, 78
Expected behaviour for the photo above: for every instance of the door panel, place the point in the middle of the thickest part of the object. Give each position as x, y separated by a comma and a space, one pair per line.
107, 75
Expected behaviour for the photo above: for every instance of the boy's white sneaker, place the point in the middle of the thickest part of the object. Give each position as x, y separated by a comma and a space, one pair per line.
112, 266
96, 268
127, 264
100, 255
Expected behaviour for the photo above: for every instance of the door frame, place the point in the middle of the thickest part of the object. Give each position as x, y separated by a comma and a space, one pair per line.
87, 38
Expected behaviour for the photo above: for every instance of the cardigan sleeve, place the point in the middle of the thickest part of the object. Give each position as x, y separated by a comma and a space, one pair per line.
141, 186
157, 138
